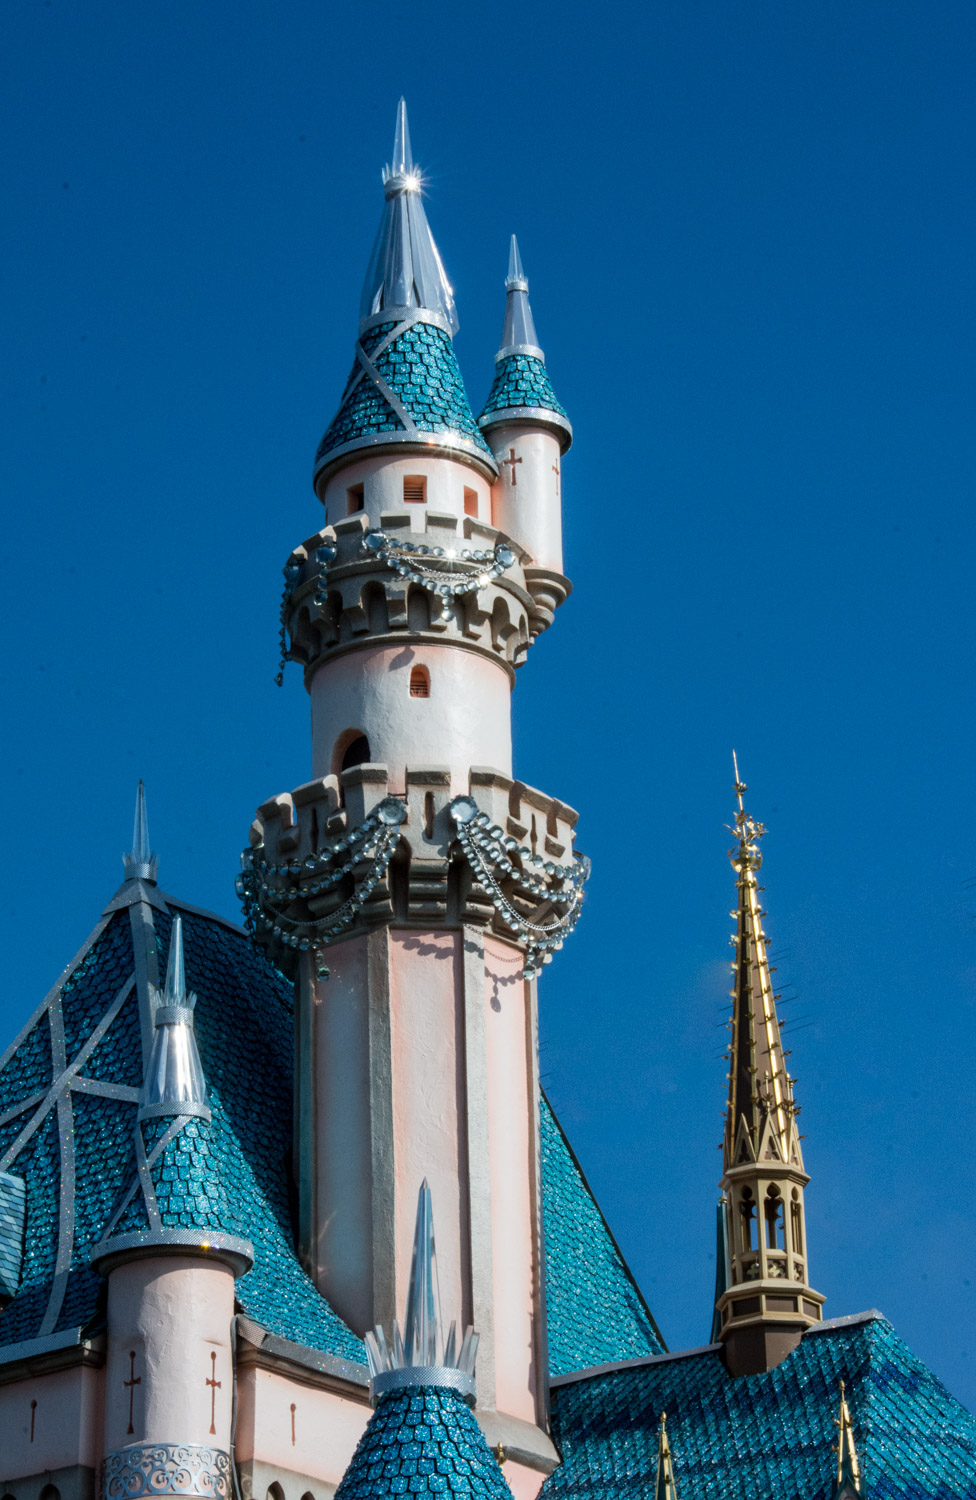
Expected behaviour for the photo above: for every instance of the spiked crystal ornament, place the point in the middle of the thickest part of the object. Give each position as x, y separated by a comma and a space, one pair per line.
405, 268
174, 1076
419, 1356
140, 863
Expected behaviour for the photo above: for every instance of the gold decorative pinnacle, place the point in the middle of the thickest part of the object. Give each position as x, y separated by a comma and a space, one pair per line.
845, 1448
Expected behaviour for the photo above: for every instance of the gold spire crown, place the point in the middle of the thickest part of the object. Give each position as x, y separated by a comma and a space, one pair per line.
760, 1088
848, 1468
664, 1485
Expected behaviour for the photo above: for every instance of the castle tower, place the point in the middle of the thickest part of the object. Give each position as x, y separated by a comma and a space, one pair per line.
414, 887
528, 431
171, 1252
767, 1301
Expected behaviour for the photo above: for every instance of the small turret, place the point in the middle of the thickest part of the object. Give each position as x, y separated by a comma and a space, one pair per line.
171, 1252
768, 1301
528, 430
422, 1387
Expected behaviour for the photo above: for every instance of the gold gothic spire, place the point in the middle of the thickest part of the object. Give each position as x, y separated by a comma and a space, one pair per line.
848, 1482
664, 1486
767, 1301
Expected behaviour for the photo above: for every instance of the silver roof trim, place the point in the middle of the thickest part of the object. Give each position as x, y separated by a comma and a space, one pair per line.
541, 414
424, 1377
452, 442
632, 1364
238, 1253
531, 349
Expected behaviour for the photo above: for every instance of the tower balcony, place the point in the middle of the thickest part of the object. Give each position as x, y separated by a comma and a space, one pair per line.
457, 581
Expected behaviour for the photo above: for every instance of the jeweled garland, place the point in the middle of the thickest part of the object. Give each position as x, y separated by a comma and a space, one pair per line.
489, 850
267, 889
446, 572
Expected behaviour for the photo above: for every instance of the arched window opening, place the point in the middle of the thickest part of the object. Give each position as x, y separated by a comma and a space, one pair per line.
50, 1492
773, 1214
534, 839
419, 682
428, 815
354, 750
470, 502
796, 1224
747, 1216
275, 1492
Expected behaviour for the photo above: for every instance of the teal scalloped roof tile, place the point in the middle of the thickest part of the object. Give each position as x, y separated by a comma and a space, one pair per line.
422, 1442
13, 1214
421, 368
768, 1434
521, 380
595, 1312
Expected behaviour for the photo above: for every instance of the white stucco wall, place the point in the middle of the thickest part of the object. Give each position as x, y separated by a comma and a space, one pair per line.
172, 1312
66, 1427
317, 1438
530, 509
465, 722
382, 481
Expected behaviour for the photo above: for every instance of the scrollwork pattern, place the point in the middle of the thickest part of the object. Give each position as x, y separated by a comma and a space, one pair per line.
166, 1469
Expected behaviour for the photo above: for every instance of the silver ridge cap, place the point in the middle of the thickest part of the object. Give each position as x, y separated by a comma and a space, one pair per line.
420, 1356
405, 268
518, 335
174, 1083
140, 863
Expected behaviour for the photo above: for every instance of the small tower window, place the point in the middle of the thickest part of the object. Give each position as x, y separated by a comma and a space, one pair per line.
470, 502
414, 489
356, 753
774, 1220
419, 682
747, 1212
355, 498
796, 1224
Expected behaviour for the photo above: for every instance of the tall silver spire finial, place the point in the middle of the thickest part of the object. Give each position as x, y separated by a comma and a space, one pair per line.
518, 335
140, 863
405, 269
419, 1356
174, 1084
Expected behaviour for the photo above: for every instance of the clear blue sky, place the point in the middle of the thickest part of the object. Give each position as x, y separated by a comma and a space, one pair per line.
749, 231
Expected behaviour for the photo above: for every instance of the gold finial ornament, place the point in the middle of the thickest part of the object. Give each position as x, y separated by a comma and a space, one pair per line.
767, 1301
664, 1485
848, 1468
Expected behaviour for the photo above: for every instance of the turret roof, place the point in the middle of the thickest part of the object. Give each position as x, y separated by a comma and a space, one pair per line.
423, 1441
405, 386
522, 390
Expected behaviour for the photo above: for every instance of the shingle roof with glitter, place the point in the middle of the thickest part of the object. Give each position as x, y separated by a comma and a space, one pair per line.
521, 382
767, 1434
69, 1092
595, 1310
187, 1177
420, 367
422, 1442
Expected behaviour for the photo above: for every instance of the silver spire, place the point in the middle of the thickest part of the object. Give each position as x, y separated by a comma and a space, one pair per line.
405, 268
174, 1083
518, 335
140, 863
420, 1357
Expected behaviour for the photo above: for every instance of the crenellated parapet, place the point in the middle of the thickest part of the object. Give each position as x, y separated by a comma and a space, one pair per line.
458, 581
345, 853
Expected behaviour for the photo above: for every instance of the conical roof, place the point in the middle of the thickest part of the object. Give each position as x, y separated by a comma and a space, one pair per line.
405, 388
175, 1194
423, 1441
522, 390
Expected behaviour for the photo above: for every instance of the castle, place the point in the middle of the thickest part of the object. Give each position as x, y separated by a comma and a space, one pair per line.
284, 1212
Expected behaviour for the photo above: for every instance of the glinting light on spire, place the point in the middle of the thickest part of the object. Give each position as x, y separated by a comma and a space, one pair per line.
419, 1356
848, 1481
140, 863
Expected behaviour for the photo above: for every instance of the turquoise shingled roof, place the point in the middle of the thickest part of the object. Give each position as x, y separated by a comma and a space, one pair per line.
420, 367
595, 1310
770, 1434
244, 1027
521, 380
422, 1442
187, 1176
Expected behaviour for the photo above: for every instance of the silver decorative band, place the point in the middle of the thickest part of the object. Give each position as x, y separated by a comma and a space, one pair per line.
445, 1377
166, 1469
542, 414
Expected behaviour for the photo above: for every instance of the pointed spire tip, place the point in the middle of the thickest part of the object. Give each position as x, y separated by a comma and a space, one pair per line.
140, 863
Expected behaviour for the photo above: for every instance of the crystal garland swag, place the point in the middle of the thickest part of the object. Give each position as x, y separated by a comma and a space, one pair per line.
489, 853
269, 892
446, 572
